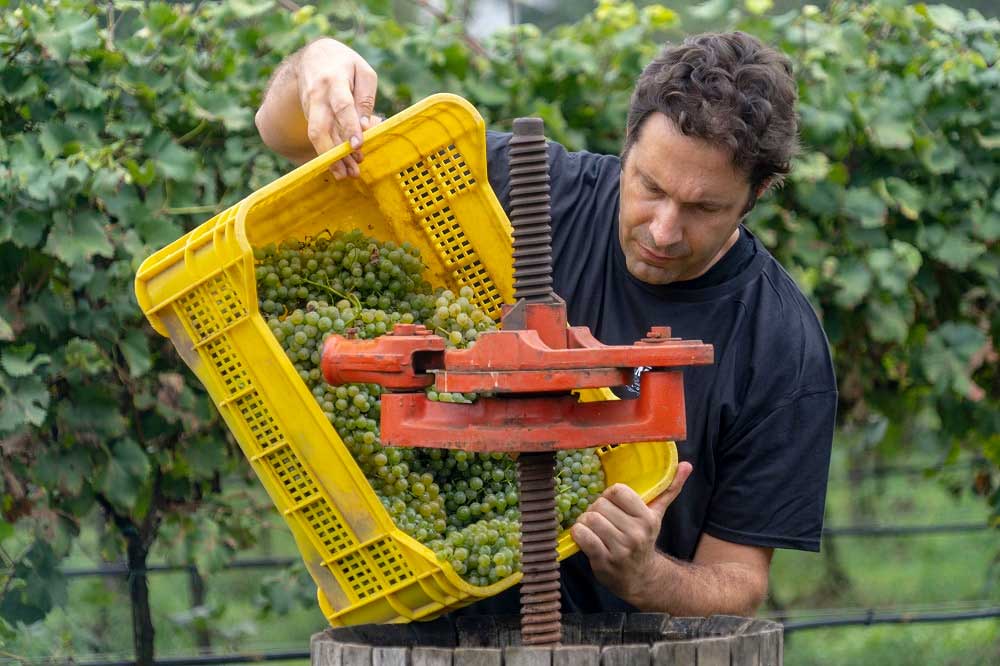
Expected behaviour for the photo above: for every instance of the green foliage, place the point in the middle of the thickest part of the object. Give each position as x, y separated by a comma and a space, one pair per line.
120, 129
115, 140
891, 228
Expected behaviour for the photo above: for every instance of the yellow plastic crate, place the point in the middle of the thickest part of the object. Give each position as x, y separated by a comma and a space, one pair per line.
423, 181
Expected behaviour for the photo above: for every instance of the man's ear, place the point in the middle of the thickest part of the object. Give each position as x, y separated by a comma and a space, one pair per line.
755, 196
766, 183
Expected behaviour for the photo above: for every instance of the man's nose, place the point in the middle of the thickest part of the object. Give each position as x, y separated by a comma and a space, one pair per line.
666, 225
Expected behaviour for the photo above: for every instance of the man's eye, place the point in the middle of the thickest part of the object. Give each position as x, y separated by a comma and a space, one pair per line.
708, 209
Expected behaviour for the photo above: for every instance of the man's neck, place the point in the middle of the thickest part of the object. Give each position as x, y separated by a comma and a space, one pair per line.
726, 247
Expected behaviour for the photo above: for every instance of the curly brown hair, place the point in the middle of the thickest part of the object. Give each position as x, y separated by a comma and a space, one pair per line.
729, 90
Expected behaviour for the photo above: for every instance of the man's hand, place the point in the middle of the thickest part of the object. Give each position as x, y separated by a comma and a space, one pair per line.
319, 98
618, 534
337, 92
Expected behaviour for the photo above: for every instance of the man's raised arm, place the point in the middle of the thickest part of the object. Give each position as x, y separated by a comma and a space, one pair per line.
318, 98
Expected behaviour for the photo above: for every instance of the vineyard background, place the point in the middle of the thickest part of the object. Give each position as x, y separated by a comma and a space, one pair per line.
124, 124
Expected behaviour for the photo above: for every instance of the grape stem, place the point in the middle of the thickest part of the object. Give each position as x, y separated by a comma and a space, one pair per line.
348, 296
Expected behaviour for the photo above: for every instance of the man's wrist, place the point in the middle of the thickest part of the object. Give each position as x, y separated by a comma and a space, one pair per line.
649, 588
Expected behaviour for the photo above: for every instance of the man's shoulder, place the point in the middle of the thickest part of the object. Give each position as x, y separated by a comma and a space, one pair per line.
780, 293
582, 184
787, 335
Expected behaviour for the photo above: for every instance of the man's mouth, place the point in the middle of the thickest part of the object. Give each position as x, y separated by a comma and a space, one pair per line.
655, 257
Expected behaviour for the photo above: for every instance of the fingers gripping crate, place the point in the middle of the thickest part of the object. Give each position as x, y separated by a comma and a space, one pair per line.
423, 181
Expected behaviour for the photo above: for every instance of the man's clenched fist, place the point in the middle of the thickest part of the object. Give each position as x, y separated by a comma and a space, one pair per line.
618, 534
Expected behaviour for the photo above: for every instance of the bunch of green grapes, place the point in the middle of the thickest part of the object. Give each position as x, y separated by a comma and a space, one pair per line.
457, 319
484, 552
579, 481
347, 265
302, 331
462, 505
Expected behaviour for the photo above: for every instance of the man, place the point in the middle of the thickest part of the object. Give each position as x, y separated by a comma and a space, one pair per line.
656, 238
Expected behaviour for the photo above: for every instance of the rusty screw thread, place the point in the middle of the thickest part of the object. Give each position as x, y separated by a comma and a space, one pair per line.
541, 605
541, 617
530, 211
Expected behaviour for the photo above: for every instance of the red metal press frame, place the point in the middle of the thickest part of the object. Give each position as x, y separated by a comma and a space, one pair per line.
531, 372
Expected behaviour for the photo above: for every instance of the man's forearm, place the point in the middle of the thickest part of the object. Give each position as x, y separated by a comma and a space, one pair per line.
699, 590
280, 120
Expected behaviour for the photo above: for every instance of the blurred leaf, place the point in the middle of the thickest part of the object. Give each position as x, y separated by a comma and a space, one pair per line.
940, 158
989, 142
171, 159
711, 10
66, 472
21, 361
23, 402
124, 474
811, 167
659, 17
6, 332
77, 238
212, 106
246, 9
986, 225
759, 6
864, 205
909, 258
945, 17
135, 349
891, 133
947, 354
888, 322
823, 122
854, 280
908, 198
93, 409
37, 585
86, 356
949, 246
72, 31
205, 457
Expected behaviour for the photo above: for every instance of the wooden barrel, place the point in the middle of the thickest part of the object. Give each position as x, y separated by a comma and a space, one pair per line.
609, 639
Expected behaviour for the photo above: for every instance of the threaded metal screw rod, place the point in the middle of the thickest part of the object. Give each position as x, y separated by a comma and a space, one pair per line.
529, 214
541, 606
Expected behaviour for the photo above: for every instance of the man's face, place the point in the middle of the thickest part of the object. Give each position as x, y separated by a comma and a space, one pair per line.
681, 204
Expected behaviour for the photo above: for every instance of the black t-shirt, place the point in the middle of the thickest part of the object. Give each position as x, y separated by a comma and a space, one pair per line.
759, 420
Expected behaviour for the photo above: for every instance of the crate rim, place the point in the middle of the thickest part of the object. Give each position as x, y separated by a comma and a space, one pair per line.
167, 255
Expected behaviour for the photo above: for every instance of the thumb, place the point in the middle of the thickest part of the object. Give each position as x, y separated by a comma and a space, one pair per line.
666, 498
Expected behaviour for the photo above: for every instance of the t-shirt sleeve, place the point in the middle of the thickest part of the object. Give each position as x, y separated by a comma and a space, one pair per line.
583, 186
771, 486
498, 166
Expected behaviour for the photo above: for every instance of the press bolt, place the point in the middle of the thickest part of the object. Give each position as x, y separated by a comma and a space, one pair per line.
657, 334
